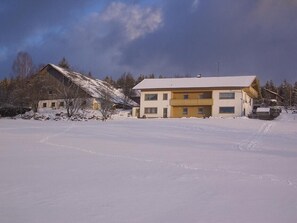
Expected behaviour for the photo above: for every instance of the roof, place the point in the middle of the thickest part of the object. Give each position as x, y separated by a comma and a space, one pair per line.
201, 82
93, 87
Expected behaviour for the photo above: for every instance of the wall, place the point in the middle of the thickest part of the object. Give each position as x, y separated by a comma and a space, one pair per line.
237, 103
160, 104
57, 103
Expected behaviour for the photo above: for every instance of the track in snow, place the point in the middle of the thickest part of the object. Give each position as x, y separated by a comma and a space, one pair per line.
251, 143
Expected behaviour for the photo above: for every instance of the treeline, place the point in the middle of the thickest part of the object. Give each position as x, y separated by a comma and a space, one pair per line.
25, 87
285, 93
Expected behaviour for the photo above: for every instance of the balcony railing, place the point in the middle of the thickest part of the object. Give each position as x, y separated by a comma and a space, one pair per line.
191, 102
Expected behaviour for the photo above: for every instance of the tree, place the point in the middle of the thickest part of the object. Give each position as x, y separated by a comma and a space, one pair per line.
74, 97
285, 91
64, 63
4, 91
294, 95
23, 65
36, 90
106, 104
126, 82
110, 81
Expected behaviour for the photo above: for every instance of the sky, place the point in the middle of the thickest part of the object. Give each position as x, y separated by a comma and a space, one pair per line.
164, 37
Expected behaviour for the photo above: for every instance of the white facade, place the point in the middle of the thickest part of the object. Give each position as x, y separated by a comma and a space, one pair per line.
198, 97
241, 104
60, 103
155, 108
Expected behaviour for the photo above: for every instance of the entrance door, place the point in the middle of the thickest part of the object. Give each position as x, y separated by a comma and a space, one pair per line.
165, 113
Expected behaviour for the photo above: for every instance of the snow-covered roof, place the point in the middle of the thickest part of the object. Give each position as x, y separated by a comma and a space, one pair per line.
93, 87
201, 82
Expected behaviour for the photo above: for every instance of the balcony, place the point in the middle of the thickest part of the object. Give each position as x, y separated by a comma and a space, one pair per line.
191, 102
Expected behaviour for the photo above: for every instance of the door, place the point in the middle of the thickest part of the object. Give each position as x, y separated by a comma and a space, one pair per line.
165, 113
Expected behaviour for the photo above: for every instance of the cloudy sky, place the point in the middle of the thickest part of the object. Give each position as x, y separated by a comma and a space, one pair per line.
164, 37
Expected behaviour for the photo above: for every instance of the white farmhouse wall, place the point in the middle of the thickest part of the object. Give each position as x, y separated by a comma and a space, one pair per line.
237, 103
56, 103
247, 104
160, 104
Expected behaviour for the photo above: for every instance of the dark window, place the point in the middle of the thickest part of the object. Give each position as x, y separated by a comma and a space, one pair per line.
200, 110
227, 110
62, 104
227, 95
165, 97
205, 95
44, 105
185, 111
151, 97
186, 96
150, 110
50, 92
53, 104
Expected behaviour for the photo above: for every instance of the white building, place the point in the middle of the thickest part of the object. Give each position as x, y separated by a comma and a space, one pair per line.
198, 97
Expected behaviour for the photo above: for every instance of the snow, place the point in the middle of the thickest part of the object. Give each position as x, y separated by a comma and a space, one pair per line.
149, 170
202, 82
94, 87
263, 109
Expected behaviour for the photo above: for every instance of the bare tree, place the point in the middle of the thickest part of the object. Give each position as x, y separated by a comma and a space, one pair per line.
106, 107
23, 65
74, 98
36, 89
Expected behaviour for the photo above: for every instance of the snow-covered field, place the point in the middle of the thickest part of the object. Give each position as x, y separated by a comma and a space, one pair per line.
149, 171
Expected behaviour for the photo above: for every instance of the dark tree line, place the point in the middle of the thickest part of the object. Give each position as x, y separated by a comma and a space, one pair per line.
286, 92
25, 88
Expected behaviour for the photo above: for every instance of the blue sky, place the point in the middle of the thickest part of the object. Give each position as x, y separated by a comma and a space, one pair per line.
164, 37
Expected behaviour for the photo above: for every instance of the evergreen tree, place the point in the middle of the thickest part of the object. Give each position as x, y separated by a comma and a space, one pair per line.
126, 82
285, 91
294, 95
109, 80
139, 79
267, 89
64, 63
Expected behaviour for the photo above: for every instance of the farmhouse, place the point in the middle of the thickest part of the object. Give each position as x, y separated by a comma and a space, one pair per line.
61, 86
198, 97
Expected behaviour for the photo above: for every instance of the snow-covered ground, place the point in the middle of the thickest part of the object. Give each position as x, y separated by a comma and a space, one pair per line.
149, 171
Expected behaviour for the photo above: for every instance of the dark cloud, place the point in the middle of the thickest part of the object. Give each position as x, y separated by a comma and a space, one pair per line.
161, 37
245, 37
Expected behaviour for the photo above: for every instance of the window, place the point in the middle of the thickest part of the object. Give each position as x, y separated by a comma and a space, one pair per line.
50, 92
186, 96
205, 95
62, 104
150, 110
227, 95
201, 110
165, 97
53, 104
151, 97
44, 105
227, 110
185, 111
